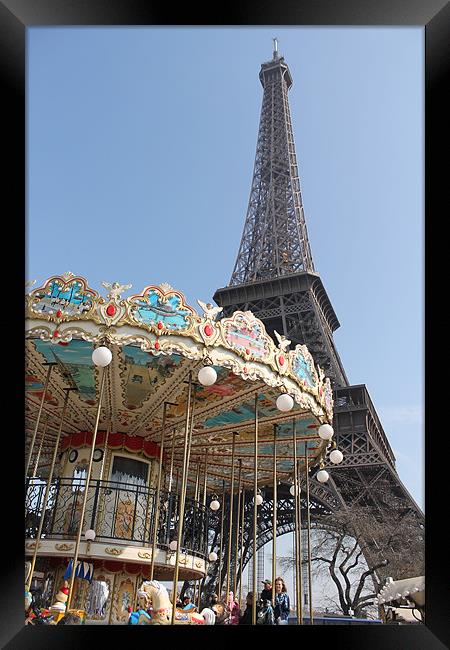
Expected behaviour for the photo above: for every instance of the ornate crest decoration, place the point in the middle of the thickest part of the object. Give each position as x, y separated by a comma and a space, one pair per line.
161, 311
303, 367
63, 296
247, 335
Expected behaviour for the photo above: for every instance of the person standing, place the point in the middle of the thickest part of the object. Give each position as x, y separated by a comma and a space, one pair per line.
246, 618
282, 603
266, 593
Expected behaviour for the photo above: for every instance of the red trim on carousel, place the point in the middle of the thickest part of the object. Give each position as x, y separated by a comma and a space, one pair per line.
115, 441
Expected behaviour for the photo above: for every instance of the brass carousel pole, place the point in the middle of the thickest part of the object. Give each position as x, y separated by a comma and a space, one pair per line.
297, 535
47, 379
238, 522
158, 488
171, 463
47, 489
308, 525
274, 511
191, 427
300, 542
230, 537
99, 519
205, 478
197, 481
38, 455
255, 512
86, 489
219, 585
182, 498
105, 449
242, 545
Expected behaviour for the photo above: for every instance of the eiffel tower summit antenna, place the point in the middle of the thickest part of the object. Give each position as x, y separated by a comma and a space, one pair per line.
275, 48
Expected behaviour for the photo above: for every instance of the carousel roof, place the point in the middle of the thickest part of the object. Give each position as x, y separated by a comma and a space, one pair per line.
157, 339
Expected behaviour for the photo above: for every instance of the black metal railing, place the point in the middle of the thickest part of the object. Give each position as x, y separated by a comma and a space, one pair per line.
115, 511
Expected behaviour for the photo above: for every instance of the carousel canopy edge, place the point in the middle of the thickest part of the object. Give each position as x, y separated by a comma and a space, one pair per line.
161, 322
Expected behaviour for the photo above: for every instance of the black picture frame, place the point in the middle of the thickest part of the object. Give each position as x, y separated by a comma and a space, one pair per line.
73, 455
98, 455
434, 16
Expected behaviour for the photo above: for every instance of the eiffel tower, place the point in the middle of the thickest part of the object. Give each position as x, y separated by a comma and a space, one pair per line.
274, 277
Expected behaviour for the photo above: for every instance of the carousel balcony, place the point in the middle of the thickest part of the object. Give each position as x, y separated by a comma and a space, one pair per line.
123, 517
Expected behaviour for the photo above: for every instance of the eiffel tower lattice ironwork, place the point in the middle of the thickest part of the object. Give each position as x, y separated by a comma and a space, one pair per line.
274, 277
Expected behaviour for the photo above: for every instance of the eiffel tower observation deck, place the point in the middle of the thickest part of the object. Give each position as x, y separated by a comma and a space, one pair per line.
275, 278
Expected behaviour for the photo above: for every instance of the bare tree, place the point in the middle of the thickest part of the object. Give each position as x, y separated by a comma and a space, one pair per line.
360, 551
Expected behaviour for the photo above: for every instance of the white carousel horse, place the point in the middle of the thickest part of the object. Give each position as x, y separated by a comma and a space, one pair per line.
152, 591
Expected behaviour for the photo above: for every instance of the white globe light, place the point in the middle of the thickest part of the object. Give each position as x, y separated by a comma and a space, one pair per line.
212, 557
90, 535
259, 499
292, 489
214, 505
325, 432
322, 476
336, 456
173, 545
207, 376
102, 356
284, 402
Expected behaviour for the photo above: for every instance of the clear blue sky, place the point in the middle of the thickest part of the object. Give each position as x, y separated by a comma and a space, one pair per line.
140, 153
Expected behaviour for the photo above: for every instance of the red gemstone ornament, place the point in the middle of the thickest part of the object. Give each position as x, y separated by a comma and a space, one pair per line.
156, 345
208, 330
58, 313
56, 334
160, 325
110, 310
281, 360
62, 343
247, 351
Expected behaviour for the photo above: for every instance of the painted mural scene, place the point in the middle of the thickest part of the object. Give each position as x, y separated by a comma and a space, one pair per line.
170, 446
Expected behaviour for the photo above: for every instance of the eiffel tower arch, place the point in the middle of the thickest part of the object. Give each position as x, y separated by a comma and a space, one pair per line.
274, 277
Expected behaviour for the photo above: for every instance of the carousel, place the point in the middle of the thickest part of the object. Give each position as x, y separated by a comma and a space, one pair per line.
144, 420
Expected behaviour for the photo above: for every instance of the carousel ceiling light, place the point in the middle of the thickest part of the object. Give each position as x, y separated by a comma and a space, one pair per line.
212, 557
325, 432
89, 535
336, 456
173, 545
322, 476
259, 499
102, 356
292, 489
214, 505
207, 376
285, 402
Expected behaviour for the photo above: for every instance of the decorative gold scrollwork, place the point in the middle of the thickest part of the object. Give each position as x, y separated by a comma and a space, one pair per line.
145, 556
113, 551
64, 547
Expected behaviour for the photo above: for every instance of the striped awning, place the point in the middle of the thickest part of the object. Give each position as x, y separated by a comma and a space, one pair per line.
84, 570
